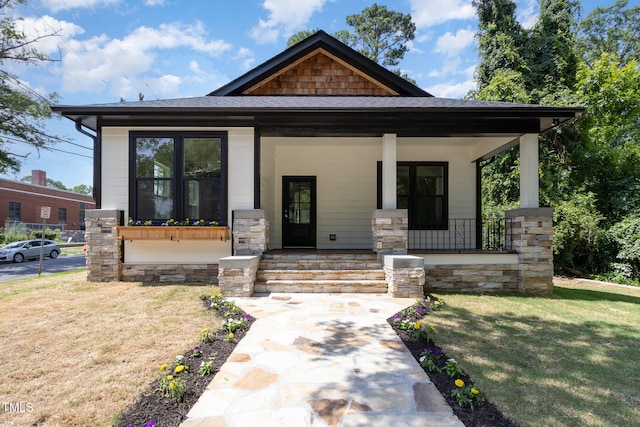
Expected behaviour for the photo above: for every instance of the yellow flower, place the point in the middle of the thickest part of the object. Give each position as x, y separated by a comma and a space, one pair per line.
459, 383
164, 367
436, 303
433, 329
205, 330
179, 369
170, 377
231, 336
475, 391
418, 325
172, 385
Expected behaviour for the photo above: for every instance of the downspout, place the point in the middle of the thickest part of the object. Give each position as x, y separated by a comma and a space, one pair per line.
97, 162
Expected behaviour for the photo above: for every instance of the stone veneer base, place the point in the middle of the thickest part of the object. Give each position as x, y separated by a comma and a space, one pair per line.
201, 273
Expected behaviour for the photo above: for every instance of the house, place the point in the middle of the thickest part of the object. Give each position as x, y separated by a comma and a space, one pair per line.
22, 203
318, 154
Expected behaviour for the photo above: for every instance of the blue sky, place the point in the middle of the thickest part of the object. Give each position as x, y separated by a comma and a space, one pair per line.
113, 49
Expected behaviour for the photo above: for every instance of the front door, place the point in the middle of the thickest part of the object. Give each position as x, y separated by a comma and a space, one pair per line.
299, 211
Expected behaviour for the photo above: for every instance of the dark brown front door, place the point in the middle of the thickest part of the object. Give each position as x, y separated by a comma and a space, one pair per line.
299, 211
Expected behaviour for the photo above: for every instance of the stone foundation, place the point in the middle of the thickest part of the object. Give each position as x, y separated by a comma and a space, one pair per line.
472, 277
390, 231
205, 273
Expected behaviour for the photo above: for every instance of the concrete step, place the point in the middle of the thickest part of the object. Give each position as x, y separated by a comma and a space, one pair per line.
321, 286
288, 274
319, 264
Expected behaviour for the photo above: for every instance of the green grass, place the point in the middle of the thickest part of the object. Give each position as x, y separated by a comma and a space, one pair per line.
570, 359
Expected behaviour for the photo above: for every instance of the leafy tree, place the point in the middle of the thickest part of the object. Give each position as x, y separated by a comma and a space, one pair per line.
83, 189
614, 30
379, 34
500, 40
299, 36
22, 112
550, 53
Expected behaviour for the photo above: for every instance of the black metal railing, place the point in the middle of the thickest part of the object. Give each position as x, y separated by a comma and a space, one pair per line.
464, 235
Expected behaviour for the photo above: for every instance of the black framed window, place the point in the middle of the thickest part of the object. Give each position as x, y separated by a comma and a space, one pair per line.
62, 216
422, 189
178, 175
14, 211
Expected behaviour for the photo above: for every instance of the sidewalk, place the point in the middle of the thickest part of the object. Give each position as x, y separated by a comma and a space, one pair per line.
321, 360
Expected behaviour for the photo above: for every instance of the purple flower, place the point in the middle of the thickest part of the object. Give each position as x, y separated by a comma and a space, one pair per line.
151, 423
247, 316
196, 348
397, 319
433, 350
420, 309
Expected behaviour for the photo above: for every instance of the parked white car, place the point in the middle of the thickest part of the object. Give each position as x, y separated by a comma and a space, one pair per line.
28, 249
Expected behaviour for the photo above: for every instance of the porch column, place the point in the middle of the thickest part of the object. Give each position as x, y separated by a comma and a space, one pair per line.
389, 175
103, 246
250, 232
529, 176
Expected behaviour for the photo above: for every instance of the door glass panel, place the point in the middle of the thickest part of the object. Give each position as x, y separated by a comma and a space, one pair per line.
299, 203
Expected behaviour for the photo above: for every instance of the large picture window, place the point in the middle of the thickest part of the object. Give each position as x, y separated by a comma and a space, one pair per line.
422, 190
178, 176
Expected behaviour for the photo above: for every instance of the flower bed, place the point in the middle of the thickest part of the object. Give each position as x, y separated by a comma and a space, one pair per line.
167, 400
467, 401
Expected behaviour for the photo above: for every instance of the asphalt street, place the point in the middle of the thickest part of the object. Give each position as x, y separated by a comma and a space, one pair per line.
12, 271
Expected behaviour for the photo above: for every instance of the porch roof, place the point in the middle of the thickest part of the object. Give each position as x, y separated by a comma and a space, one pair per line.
330, 115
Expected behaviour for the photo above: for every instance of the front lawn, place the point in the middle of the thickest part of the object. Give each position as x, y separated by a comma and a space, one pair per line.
75, 353
571, 359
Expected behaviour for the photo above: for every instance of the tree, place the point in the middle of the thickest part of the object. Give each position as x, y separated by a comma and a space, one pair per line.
500, 40
550, 53
22, 112
299, 36
614, 30
379, 34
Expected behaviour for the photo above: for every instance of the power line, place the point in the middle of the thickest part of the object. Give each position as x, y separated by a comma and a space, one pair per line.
22, 141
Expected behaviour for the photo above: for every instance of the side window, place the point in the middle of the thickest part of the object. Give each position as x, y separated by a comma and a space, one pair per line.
14, 211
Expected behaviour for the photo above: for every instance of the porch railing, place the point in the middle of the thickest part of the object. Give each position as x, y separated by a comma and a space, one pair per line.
464, 235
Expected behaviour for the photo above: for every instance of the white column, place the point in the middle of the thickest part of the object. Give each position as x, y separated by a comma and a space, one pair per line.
389, 174
529, 176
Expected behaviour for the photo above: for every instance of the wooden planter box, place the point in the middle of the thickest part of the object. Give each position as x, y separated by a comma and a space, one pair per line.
173, 233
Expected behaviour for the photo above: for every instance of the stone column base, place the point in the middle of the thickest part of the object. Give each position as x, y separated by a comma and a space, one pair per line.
237, 275
405, 276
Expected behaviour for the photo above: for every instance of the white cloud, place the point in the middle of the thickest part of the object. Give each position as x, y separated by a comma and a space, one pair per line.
451, 44
426, 13
452, 89
125, 64
284, 16
154, 3
58, 5
246, 57
52, 31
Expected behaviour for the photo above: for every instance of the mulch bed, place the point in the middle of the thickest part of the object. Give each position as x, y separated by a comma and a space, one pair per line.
166, 412
484, 415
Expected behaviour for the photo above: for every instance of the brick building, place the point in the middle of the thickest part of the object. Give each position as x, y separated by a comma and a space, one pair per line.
21, 202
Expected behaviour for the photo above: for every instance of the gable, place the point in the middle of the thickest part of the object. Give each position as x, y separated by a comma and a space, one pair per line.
320, 65
320, 73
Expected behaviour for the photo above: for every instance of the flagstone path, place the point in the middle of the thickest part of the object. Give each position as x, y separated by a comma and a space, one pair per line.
321, 360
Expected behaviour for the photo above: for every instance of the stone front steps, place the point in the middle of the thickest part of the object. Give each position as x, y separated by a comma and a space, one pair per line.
320, 273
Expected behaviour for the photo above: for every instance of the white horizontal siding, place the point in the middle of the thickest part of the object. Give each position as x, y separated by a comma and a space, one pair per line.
345, 171
176, 252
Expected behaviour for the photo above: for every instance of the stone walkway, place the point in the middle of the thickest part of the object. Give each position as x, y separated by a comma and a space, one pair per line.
321, 360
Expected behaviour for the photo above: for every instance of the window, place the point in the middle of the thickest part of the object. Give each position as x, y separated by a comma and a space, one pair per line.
62, 216
422, 190
179, 176
14, 211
